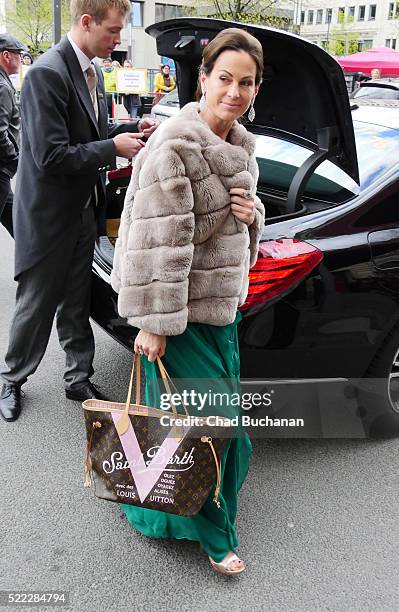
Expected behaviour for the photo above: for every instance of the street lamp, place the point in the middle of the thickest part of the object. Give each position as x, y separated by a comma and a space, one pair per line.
56, 21
130, 53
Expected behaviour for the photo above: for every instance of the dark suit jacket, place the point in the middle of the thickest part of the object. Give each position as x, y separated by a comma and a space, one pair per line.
63, 151
9, 126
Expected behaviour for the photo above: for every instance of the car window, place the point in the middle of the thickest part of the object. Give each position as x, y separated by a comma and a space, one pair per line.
278, 160
376, 93
377, 150
171, 98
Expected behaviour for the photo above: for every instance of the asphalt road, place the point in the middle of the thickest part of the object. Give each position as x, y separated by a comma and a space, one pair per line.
318, 520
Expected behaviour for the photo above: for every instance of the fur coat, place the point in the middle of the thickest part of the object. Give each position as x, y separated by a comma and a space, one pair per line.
181, 255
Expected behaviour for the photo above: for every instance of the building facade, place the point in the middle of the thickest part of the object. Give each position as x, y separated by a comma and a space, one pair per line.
136, 44
358, 24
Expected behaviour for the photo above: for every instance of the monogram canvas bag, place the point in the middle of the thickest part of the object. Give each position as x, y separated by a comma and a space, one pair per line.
132, 458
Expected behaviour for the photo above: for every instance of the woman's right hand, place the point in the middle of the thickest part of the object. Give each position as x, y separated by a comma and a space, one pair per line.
152, 345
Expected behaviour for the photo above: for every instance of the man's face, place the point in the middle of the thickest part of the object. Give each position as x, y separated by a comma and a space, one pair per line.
102, 38
11, 61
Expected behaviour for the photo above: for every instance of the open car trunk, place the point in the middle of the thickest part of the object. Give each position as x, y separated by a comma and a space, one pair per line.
306, 153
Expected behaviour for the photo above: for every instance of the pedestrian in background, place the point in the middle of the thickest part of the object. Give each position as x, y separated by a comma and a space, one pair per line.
27, 59
182, 262
10, 60
163, 83
60, 193
109, 73
375, 73
132, 102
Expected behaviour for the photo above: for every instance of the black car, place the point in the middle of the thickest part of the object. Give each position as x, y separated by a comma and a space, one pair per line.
323, 304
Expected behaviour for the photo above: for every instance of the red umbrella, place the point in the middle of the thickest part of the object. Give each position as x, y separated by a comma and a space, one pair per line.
386, 60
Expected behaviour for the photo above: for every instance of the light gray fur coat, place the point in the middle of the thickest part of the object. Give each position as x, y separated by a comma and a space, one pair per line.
181, 255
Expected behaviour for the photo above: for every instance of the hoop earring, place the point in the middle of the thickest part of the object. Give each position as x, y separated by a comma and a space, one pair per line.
251, 113
202, 102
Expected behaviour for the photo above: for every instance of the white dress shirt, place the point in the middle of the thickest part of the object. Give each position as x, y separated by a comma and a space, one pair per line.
84, 61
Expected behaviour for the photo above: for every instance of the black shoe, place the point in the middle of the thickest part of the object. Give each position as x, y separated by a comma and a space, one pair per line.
10, 402
87, 391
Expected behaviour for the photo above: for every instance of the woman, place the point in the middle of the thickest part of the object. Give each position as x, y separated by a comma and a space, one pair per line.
26, 59
131, 102
163, 83
189, 232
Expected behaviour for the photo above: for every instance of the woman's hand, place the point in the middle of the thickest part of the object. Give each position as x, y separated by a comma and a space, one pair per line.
242, 205
150, 344
147, 126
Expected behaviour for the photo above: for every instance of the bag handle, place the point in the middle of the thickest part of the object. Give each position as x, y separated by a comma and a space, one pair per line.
166, 380
124, 420
136, 360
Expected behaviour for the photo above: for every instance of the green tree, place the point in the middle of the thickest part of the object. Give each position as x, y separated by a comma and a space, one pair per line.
343, 39
31, 21
263, 12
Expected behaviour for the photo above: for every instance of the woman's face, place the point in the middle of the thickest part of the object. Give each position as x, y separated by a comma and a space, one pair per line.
26, 60
165, 70
230, 87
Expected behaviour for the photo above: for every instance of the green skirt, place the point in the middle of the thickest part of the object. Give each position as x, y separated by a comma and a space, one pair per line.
202, 351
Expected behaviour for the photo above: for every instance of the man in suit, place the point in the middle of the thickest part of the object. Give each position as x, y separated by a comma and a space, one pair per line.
66, 144
10, 61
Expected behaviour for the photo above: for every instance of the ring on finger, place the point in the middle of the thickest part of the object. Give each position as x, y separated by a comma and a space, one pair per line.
247, 195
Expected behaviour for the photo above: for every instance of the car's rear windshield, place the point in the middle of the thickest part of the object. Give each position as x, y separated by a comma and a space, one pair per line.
278, 160
377, 93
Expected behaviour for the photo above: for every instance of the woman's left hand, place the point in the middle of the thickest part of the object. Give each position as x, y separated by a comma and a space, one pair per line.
242, 207
150, 344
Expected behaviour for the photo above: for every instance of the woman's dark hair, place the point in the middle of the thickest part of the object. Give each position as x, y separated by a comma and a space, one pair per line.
231, 39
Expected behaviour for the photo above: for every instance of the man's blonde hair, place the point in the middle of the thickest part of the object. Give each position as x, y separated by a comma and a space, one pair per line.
98, 9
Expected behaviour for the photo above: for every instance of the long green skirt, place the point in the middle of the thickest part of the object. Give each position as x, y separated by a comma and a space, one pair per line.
202, 351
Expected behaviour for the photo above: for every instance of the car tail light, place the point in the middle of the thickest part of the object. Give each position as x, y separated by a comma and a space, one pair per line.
120, 173
280, 267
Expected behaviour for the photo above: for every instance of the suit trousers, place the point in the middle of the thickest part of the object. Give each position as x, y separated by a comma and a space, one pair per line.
59, 285
6, 202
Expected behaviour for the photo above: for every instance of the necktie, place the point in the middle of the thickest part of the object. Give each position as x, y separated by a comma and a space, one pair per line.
91, 78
